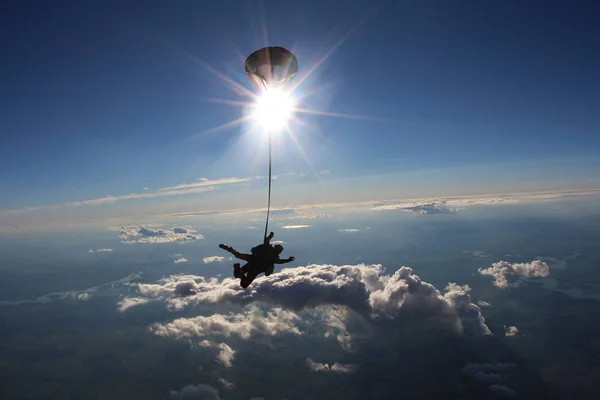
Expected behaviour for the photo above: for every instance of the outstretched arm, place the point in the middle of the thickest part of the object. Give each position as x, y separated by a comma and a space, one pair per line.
285, 261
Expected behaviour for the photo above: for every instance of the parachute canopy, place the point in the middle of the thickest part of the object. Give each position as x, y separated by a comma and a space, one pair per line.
271, 66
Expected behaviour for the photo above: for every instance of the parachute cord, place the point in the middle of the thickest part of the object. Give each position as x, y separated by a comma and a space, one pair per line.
269, 201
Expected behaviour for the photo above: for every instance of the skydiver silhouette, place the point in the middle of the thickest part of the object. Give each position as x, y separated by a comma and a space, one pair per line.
262, 260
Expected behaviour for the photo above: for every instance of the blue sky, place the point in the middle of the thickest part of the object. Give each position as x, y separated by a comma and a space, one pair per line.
110, 99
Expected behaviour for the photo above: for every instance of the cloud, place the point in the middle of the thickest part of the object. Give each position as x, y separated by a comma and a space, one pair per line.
134, 196
82, 296
79, 295
144, 234
203, 185
254, 321
503, 391
295, 226
503, 269
421, 207
130, 302
493, 375
213, 259
226, 384
336, 367
360, 290
226, 353
476, 254
348, 230
196, 392
482, 303
180, 260
205, 182
101, 251
429, 206
511, 330
309, 216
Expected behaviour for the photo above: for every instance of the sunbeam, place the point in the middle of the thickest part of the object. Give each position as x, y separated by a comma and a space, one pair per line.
334, 48
303, 153
219, 128
338, 115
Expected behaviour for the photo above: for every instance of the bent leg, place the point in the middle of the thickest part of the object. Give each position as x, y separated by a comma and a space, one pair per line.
235, 253
269, 270
248, 278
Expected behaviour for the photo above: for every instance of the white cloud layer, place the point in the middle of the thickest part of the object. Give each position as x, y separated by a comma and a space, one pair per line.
252, 322
360, 290
503, 269
296, 226
446, 204
212, 259
130, 302
80, 295
144, 234
203, 185
101, 251
422, 207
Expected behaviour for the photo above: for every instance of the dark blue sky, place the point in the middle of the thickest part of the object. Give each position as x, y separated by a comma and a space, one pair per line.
101, 98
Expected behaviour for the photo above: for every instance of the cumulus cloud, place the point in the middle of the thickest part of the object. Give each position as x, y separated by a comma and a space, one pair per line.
101, 251
213, 259
226, 384
252, 322
144, 234
180, 260
358, 290
226, 353
130, 302
348, 230
511, 330
503, 269
336, 367
196, 392
482, 303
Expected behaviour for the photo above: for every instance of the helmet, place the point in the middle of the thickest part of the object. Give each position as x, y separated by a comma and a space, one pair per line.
278, 248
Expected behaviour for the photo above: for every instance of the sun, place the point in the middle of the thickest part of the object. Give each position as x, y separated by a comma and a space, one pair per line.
273, 109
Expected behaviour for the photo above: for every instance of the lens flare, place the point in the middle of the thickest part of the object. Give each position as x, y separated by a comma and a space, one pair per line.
273, 109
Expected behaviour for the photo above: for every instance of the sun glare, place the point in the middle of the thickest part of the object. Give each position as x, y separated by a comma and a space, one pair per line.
273, 109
